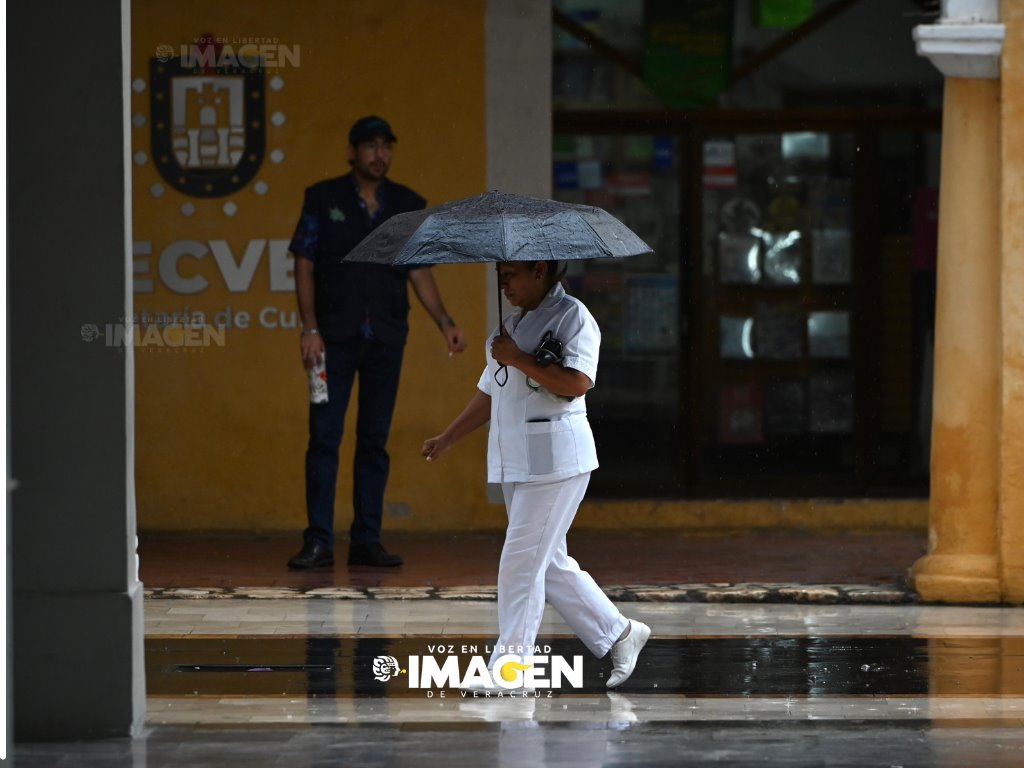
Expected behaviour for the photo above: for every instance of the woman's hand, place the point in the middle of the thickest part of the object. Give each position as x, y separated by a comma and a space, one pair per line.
476, 413
555, 378
433, 447
504, 350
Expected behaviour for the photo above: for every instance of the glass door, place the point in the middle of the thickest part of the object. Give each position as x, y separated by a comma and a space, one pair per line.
777, 342
635, 406
778, 394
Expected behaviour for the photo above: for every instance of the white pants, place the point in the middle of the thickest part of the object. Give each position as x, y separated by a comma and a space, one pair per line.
535, 566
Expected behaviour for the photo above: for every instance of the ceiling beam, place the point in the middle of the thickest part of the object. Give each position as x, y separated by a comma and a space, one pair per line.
791, 38
566, 23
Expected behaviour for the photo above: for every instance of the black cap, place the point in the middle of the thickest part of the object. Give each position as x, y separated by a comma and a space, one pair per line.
367, 128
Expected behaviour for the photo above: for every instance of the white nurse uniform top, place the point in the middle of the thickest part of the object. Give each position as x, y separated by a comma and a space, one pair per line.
534, 435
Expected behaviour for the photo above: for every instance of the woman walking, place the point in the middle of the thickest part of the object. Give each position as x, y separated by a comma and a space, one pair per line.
540, 365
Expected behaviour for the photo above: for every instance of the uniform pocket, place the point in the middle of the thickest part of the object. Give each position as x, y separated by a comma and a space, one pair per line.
550, 447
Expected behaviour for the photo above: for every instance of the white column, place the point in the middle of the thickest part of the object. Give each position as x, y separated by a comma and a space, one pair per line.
77, 601
518, 40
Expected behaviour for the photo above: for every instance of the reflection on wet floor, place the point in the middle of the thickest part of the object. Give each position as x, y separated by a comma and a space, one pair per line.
289, 683
733, 666
806, 744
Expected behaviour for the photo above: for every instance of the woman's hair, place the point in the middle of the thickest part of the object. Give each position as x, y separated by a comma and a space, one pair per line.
556, 270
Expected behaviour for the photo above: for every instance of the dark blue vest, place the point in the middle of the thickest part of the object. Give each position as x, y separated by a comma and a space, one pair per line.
349, 294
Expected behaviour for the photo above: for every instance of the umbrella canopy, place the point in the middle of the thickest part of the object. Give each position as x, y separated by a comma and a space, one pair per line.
498, 226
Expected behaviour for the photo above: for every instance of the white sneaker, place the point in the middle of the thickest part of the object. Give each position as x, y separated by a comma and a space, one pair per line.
625, 652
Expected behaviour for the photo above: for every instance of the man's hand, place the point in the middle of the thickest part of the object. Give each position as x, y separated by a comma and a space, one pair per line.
504, 350
311, 343
312, 348
454, 337
426, 291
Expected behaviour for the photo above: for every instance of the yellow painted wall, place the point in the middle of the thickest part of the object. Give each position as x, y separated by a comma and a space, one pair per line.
220, 430
1011, 496
720, 516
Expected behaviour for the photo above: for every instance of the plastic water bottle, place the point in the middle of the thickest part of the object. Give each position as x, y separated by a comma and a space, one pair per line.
318, 381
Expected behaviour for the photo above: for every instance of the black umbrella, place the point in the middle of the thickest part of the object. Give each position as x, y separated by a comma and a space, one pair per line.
498, 226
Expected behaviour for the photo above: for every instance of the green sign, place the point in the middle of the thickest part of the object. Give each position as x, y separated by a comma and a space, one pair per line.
688, 51
783, 14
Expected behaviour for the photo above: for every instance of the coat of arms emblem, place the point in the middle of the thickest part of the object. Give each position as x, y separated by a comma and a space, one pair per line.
207, 125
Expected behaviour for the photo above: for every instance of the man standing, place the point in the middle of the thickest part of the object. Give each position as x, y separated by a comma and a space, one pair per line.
357, 315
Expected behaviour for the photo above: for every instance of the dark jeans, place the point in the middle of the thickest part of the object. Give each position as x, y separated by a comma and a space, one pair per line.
378, 367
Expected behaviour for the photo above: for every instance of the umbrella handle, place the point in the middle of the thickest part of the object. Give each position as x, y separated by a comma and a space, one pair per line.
501, 323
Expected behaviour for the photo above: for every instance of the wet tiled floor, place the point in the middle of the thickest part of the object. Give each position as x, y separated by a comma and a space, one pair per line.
290, 682
524, 744
783, 649
875, 666
439, 560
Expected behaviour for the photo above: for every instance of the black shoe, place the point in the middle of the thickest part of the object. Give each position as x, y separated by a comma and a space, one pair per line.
313, 555
372, 554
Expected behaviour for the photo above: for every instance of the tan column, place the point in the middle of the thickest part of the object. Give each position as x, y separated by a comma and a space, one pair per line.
963, 561
1011, 497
